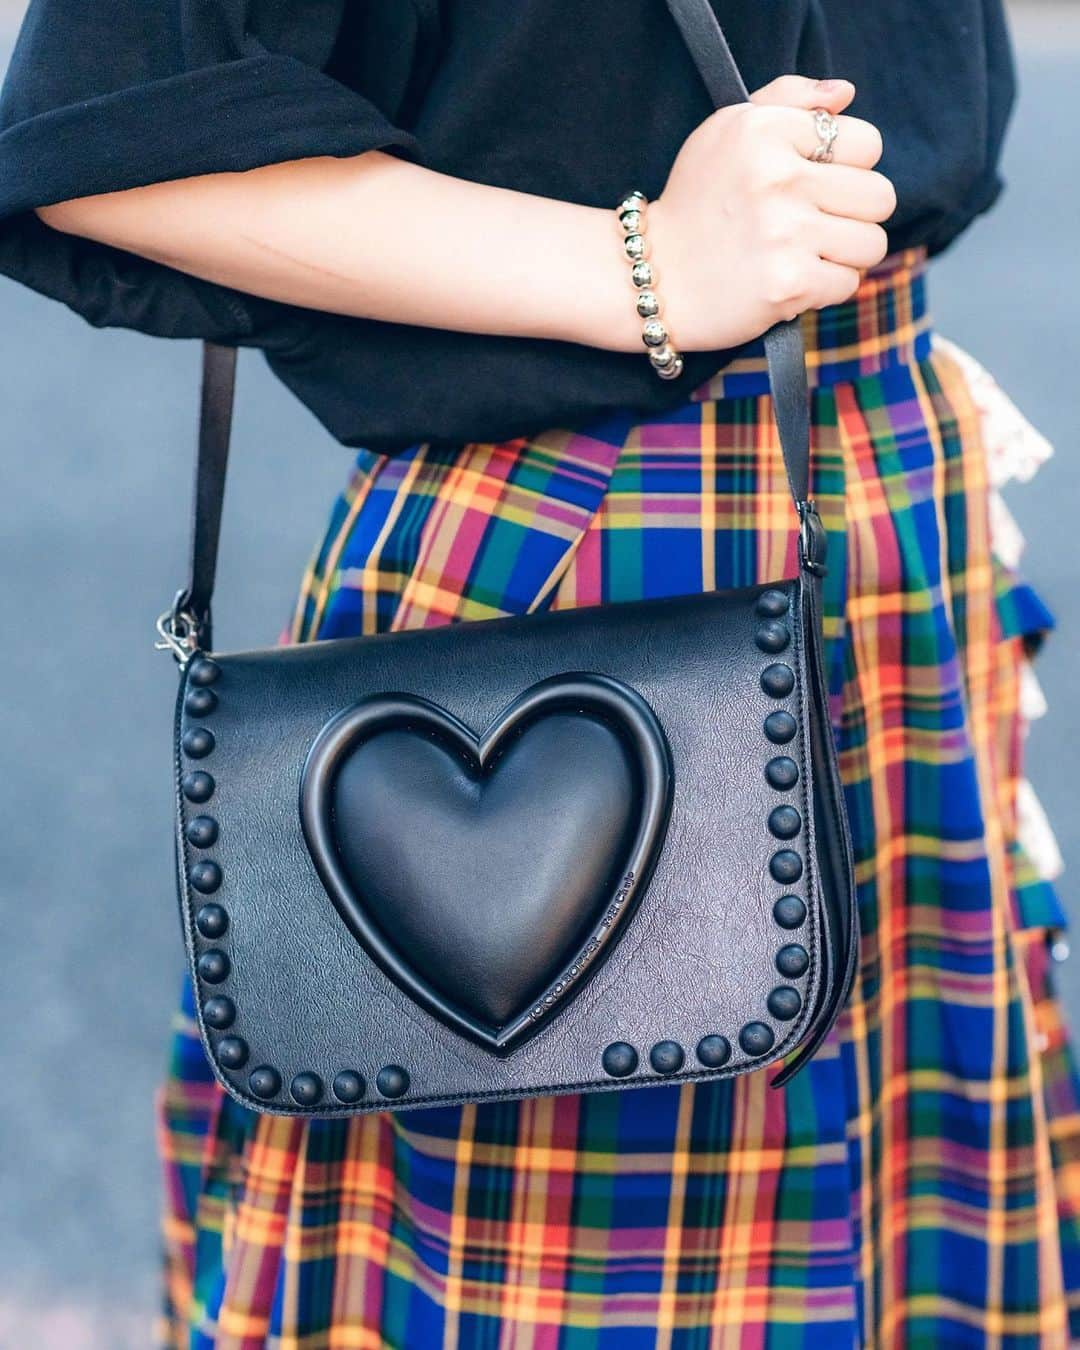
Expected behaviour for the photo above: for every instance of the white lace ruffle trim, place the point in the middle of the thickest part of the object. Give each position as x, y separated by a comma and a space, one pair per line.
1015, 451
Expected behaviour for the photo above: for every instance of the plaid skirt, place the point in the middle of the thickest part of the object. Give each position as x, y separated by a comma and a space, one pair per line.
919, 1184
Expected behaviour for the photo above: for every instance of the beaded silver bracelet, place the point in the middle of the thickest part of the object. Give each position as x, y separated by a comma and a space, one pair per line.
665, 359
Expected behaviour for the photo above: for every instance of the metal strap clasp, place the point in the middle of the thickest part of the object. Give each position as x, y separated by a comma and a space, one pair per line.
178, 630
813, 541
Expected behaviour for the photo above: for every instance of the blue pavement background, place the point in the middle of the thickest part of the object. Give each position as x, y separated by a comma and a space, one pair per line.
96, 431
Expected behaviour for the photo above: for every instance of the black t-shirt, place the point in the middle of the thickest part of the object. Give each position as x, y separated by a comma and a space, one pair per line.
574, 99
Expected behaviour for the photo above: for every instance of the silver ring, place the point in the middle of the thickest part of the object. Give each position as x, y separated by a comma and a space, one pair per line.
827, 128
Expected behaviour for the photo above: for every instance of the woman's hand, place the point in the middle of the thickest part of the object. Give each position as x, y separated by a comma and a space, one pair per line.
749, 230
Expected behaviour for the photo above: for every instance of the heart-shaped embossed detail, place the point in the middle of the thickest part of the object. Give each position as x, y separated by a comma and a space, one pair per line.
490, 875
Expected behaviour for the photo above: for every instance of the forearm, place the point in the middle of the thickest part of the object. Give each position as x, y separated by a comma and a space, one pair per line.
378, 237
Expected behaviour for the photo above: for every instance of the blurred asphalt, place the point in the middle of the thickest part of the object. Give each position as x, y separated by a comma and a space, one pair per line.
96, 430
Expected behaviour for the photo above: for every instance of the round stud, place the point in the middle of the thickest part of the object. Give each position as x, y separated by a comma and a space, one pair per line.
211, 921
219, 1012
792, 961
1059, 949
619, 1059
667, 1056
781, 773
785, 866
213, 966
778, 680
780, 727
306, 1089
392, 1080
264, 1082
784, 1002
348, 1086
713, 1051
790, 911
205, 876
197, 786
232, 1053
772, 636
772, 604
197, 742
203, 672
756, 1038
202, 831
784, 822
200, 702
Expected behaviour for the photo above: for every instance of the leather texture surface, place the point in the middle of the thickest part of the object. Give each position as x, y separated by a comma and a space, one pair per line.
699, 952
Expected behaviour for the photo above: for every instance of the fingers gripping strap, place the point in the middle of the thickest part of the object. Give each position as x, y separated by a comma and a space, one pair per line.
711, 54
783, 348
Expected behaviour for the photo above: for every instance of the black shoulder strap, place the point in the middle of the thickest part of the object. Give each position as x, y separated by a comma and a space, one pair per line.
783, 346
215, 429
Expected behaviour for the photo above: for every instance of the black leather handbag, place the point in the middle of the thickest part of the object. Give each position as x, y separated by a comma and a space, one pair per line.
567, 852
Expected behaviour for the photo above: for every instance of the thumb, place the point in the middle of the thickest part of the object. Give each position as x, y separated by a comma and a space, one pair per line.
796, 91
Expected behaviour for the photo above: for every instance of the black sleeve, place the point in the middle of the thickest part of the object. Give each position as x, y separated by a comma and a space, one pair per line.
112, 94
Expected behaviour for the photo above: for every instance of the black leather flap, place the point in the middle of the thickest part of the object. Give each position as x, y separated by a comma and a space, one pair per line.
519, 857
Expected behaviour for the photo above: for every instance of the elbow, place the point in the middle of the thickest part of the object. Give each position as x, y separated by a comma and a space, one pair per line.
117, 219
58, 216
123, 219
70, 217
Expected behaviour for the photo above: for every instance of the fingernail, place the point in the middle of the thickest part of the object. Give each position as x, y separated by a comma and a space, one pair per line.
831, 86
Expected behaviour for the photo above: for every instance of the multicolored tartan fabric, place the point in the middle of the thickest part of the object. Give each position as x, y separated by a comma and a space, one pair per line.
919, 1184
